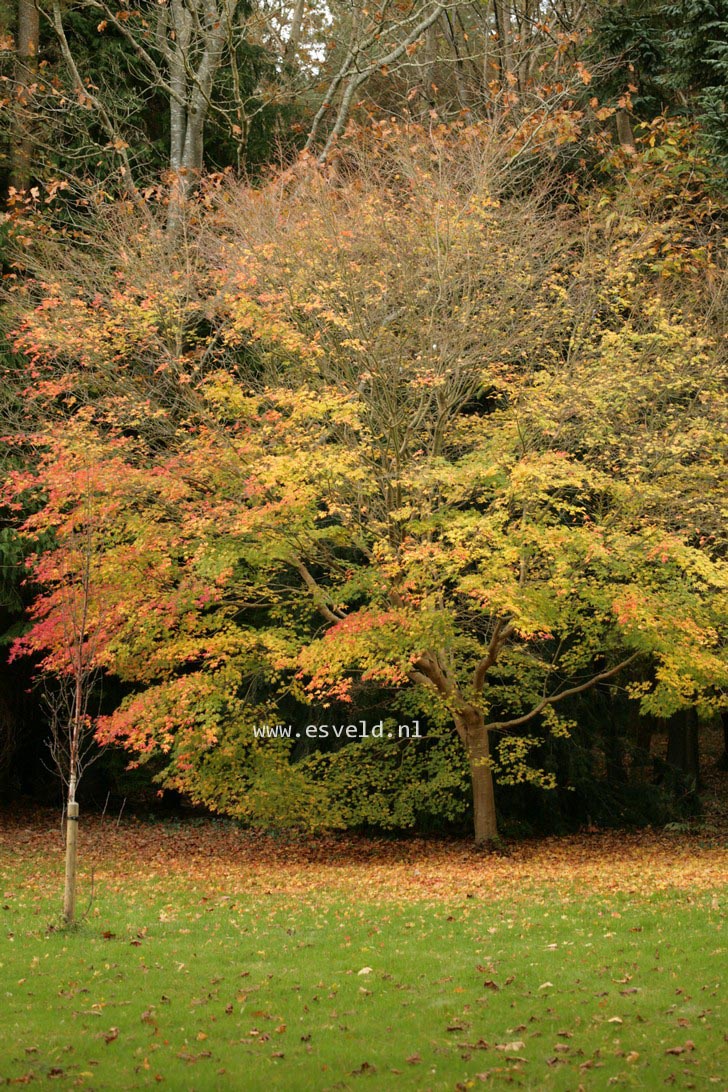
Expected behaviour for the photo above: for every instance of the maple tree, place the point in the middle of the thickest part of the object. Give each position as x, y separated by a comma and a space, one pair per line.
387, 424
502, 555
67, 630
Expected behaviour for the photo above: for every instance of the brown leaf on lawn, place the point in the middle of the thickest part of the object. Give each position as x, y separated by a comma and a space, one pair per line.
689, 1045
364, 1069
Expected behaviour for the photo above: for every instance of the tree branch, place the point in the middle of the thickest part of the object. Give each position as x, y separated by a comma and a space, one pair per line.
141, 52
420, 678
317, 593
501, 633
357, 78
428, 666
116, 141
502, 725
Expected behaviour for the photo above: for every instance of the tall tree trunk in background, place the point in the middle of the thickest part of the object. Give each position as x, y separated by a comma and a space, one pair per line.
614, 755
682, 745
26, 68
294, 34
429, 61
206, 25
503, 28
642, 729
8, 734
181, 34
723, 760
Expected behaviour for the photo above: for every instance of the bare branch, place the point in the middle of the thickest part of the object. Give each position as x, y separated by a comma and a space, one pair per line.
117, 143
356, 76
516, 722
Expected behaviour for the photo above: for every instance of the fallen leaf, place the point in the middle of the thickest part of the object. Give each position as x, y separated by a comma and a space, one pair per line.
689, 1045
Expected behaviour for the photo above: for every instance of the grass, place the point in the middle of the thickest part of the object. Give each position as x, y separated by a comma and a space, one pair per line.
197, 982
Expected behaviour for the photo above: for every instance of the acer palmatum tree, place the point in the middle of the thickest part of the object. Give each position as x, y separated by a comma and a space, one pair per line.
66, 630
416, 430
478, 473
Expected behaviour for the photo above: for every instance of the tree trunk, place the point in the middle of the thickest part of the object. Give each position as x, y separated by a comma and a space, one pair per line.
26, 69
503, 28
74, 771
294, 34
644, 726
69, 894
473, 731
682, 745
723, 760
614, 755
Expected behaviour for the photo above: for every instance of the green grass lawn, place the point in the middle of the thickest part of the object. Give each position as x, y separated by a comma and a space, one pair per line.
168, 981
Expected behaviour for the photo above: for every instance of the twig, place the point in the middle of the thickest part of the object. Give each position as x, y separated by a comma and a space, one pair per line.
91, 896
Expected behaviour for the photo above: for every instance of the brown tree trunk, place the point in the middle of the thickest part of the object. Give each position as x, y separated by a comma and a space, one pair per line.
643, 727
474, 733
502, 13
723, 760
614, 755
26, 69
624, 132
294, 34
683, 746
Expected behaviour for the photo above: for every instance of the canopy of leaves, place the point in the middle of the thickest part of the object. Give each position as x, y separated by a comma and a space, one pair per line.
382, 425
